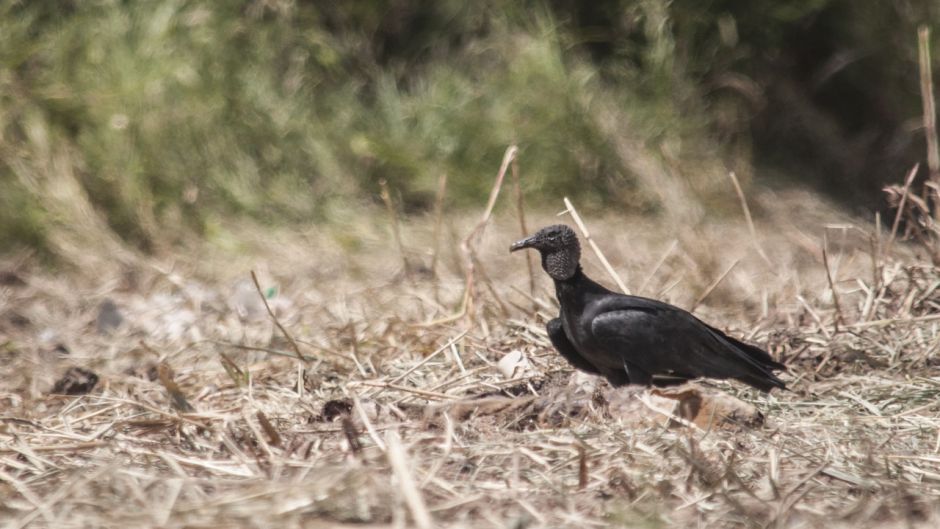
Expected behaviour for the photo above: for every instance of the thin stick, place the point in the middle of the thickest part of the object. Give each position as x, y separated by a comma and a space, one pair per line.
290, 339
58, 448
876, 255
749, 220
354, 350
60, 494
468, 245
406, 484
662, 259
582, 467
508, 157
274, 438
930, 111
597, 251
524, 230
364, 417
393, 218
494, 292
895, 321
818, 321
275, 351
832, 287
438, 220
426, 359
406, 389
713, 286
897, 216
31, 497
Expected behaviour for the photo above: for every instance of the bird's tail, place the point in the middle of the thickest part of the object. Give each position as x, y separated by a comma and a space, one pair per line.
765, 381
756, 353
761, 373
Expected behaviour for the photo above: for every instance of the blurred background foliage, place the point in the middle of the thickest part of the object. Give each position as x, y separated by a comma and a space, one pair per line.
169, 117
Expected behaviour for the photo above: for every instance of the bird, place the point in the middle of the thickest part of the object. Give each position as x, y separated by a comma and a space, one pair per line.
637, 340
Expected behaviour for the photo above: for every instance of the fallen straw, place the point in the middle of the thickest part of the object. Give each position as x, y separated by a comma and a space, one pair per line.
414, 501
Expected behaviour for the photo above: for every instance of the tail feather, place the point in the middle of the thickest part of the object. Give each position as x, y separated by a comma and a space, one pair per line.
764, 382
756, 353
761, 366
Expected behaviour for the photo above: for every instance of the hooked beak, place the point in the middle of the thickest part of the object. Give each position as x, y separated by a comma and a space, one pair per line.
528, 242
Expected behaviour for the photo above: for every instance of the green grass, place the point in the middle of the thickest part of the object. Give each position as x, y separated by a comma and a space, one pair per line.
177, 115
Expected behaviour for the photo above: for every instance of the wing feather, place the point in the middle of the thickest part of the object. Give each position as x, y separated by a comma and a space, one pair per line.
667, 341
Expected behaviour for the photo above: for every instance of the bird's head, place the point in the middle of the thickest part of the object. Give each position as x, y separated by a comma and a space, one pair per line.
559, 247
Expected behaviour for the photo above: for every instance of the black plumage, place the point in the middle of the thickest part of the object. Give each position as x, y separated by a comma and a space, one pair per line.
636, 340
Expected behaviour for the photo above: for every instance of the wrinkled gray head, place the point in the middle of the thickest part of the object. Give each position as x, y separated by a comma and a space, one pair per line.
559, 247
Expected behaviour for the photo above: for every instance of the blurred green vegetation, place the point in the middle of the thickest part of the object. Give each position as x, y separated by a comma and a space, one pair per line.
173, 115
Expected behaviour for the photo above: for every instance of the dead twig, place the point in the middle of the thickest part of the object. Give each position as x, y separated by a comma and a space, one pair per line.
274, 438
840, 320
523, 229
750, 222
177, 398
597, 251
438, 221
290, 339
713, 286
468, 245
897, 216
398, 460
659, 264
930, 112
396, 229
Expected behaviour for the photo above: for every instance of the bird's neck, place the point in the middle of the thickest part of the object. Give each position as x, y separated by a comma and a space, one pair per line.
577, 286
567, 289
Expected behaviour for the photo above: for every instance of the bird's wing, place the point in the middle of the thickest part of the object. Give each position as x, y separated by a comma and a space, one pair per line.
556, 333
662, 339
754, 352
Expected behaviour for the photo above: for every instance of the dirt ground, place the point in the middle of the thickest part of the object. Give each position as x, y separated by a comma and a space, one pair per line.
160, 392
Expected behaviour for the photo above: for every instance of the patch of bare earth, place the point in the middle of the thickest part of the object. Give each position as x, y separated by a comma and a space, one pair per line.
182, 403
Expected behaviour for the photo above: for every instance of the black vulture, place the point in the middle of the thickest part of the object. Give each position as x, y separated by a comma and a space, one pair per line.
636, 340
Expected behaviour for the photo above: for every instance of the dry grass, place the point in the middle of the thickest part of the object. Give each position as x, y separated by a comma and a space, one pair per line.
390, 423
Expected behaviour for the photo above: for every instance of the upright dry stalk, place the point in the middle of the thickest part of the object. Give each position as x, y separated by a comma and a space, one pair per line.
659, 263
520, 209
287, 335
597, 251
832, 287
393, 219
438, 220
714, 284
468, 245
749, 220
930, 112
897, 216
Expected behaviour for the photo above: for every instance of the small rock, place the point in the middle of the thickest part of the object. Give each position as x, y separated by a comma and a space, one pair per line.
513, 364
109, 317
